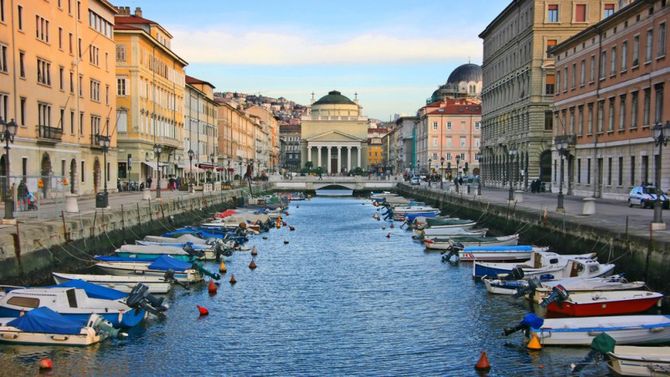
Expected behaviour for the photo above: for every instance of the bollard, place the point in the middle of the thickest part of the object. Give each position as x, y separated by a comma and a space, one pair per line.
589, 207
71, 204
518, 196
146, 194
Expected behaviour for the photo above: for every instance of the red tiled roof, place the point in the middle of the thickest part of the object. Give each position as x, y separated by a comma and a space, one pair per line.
192, 80
130, 19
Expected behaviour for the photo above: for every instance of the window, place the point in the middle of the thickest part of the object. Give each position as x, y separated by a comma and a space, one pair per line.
588, 171
580, 119
71, 82
622, 112
95, 125
620, 176
610, 123
83, 172
120, 53
548, 120
593, 68
579, 170
93, 55
565, 79
72, 122
122, 120
624, 56
99, 24
22, 112
4, 101
478, 125
79, 50
20, 14
43, 114
81, 123
448, 125
572, 120
613, 62
633, 109
550, 43
106, 94
61, 78
3, 58
434, 125
41, 29
2, 10
580, 13
601, 115
70, 41
650, 45
647, 107
27, 302
661, 40
658, 105
61, 119
81, 85
609, 171
22, 64
552, 13
582, 74
43, 72
550, 82
95, 90
609, 10
603, 59
462, 144
121, 86
79, 10
632, 170
558, 81
60, 38
574, 75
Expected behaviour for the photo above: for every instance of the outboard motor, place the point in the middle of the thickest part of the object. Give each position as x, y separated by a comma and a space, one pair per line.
192, 252
516, 274
529, 321
558, 294
103, 326
533, 284
451, 257
140, 298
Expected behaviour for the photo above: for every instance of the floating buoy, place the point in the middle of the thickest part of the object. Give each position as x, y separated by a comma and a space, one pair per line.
291, 228
265, 237
202, 310
285, 242
283, 223
534, 342
222, 268
232, 279
388, 235
298, 206
392, 226
383, 228
211, 287
46, 363
252, 265
483, 363
254, 252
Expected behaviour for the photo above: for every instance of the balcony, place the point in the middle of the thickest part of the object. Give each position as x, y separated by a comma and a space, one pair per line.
95, 141
49, 135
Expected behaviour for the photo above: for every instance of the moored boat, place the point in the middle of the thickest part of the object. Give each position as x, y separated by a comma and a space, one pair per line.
156, 284
589, 304
461, 242
639, 361
547, 263
183, 272
497, 253
606, 283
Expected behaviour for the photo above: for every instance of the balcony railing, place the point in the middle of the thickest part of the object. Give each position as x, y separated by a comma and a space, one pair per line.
49, 134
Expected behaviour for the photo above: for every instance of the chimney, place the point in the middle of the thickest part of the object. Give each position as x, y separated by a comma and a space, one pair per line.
122, 11
138, 12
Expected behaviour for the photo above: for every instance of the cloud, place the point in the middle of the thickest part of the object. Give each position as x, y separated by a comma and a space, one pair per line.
221, 46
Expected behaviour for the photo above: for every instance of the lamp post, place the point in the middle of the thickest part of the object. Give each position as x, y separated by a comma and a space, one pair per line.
239, 163
104, 145
561, 148
7, 135
430, 171
442, 173
661, 139
512, 152
458, 163
191, 154
157, 151
211, 158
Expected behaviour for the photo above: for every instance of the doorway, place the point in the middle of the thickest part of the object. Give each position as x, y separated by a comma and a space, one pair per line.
73, 176
45, 173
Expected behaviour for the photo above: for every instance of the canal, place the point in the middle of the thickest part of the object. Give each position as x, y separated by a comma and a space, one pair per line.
339, 299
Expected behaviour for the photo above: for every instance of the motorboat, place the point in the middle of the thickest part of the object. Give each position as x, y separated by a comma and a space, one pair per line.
503, 287
43, 326
639, 361
625, 329
461, 242
547, 263
184, 238
573, 285
451, 223
497, 253
453, 231
156, 284
562, 303
183, 271
143, 252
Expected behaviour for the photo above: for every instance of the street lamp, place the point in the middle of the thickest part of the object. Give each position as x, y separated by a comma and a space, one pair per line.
661, 139
562, 149
104, 142
191, 154
458, 163
7, 135
430, 171
157, 151
442, 173
211, 158
512, 152
239, 163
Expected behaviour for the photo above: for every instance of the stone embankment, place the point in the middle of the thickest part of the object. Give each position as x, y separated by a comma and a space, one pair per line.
33, 249
639, 256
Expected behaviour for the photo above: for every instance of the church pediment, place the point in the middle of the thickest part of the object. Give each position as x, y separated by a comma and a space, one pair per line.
333, 136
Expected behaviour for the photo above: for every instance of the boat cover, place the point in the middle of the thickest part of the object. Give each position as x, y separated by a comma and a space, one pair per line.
94, 290
224, 214
165, 262
103, 258
45, 320
499, 248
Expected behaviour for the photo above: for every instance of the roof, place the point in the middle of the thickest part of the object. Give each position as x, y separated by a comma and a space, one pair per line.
334, 98
194, 81
465, 72
132, 19
454, 107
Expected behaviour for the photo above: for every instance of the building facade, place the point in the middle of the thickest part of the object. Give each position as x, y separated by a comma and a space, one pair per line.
267, 138
236, 138
375, 150
405, 128
149, 98
290, 138
609, 95
519, 82
334, 135
201, 132
57, 82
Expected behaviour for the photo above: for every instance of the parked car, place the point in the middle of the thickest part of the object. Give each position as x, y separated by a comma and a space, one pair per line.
645, 196
414, 181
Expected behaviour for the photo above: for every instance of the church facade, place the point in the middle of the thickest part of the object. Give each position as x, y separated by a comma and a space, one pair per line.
334, 135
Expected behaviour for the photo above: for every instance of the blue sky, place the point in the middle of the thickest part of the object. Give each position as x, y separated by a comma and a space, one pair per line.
392, 53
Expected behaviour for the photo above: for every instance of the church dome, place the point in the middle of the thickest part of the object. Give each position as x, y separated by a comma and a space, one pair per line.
334, 98
466, 72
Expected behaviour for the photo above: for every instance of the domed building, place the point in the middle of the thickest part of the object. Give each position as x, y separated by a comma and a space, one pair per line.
464, 82
334, 134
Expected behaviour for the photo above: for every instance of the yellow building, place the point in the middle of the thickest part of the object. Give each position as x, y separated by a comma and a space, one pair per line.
267, 140
236, 137
57, 74
200, 131
150, 99
334, 135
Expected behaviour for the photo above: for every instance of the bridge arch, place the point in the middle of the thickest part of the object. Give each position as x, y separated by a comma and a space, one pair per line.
334, 186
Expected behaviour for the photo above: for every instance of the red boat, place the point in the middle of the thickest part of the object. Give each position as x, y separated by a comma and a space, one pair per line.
592, 304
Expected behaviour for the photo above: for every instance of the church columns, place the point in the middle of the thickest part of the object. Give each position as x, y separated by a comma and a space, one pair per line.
360, 165
309, 153
348, 159
339, 160
328, 160
318, 148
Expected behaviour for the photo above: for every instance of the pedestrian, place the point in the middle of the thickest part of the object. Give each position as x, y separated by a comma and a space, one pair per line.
149, 180
21, 193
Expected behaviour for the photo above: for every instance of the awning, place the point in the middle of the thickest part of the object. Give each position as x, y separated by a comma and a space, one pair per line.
205, 166
152, 164
190, 168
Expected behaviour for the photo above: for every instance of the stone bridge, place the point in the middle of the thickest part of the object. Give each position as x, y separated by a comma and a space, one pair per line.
333, 182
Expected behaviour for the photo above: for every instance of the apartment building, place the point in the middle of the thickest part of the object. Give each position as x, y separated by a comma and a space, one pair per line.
57, 82
201, 133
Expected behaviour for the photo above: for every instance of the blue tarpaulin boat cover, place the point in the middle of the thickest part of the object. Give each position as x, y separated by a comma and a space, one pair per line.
499, 248
165, 262
45, 320
94, 290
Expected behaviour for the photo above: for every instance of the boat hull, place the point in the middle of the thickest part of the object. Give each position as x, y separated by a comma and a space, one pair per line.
555, 332
640, 361
493, 256
126, 319
13, 335
129, 270
619, 307
116, 282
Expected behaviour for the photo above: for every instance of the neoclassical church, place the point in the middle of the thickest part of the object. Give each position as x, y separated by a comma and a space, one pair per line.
464, 82
334, 134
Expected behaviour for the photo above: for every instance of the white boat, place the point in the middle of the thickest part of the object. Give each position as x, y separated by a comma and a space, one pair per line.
503, 287
156, 285
142, 269
442, 232
640, 361
497, 253
184, 238
43, 326
626, 329
548, 265
607, 283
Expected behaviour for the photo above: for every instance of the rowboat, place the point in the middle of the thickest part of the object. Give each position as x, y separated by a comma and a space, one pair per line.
43, 326
589, 304
639, 361
572, 285
547, 263
156, 285
625, 329
453, 223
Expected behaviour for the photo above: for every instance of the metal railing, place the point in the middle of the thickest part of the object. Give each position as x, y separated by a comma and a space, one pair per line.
47, 133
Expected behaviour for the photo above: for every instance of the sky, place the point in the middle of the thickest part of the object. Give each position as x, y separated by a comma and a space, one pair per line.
393, 53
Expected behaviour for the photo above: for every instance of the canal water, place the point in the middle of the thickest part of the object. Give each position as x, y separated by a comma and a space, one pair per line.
340, 299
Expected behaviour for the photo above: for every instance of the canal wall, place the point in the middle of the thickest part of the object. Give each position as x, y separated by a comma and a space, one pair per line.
638, 257
30, 252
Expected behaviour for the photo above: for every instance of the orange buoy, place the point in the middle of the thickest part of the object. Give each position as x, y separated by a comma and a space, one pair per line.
46, 363
232, 279
222, 268
211, 287
252, 265
534, 342
254, 252
388, 235
202, 310
483, 363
